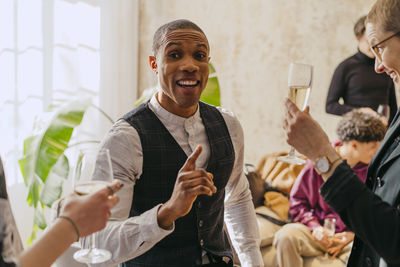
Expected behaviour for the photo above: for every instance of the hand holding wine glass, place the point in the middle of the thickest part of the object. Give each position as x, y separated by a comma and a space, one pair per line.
93, 173
86, 218
299, 82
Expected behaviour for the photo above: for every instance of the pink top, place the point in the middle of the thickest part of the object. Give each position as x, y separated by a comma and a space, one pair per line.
307, 205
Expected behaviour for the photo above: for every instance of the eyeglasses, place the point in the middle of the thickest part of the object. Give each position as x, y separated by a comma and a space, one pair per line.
377, 51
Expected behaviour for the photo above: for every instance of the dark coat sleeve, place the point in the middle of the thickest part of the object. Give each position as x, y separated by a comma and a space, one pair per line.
374, 221
392, 101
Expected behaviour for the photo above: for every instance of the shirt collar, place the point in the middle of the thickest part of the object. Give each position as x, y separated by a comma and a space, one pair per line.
167, 116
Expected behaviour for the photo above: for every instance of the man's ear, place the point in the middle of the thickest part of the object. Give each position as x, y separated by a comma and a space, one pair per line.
153, 63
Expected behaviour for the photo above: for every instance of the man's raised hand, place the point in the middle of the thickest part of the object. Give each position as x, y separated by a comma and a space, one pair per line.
188, 185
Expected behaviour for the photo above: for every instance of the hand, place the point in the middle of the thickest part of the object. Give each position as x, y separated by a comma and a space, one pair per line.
304, 133
322, 237
91, 212
339, 241
189, 184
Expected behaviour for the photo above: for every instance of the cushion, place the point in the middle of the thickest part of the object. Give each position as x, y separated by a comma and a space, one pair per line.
278, 203
266, 228
279, 174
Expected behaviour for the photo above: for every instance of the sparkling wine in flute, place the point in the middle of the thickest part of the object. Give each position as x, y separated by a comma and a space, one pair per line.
299, 82
89, 187
299, 95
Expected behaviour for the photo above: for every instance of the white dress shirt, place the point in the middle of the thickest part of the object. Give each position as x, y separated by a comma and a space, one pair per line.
128, 237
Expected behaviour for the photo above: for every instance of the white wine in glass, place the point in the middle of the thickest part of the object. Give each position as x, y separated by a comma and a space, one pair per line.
93, 173
299, 82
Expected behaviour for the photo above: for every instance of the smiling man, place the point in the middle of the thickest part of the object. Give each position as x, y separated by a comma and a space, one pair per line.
181, 161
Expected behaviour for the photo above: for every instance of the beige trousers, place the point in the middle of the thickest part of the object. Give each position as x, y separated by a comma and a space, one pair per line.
295, 241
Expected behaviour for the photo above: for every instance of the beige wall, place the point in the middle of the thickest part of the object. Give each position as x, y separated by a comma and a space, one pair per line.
252, 44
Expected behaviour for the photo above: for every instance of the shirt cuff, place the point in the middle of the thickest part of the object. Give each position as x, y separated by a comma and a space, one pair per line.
149, 227
342, 188
252, 259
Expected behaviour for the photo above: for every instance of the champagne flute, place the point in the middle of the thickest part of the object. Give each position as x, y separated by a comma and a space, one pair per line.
93, 172
384, 111
299, 82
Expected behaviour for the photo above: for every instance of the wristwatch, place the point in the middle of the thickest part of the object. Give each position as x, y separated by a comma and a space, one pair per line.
323, 164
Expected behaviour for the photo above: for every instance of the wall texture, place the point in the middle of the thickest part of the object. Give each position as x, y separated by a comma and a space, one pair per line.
252, 43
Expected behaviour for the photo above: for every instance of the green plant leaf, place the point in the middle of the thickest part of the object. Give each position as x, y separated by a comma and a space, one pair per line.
34, 191
211, 93
41, 152
26, 163
146, 95
212, 70
33, 234
39, 218
52, 189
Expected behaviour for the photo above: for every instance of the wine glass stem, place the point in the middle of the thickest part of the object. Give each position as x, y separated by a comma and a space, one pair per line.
292, 152
92, 241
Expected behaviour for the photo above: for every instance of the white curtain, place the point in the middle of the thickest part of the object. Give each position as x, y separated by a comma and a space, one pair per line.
119, 56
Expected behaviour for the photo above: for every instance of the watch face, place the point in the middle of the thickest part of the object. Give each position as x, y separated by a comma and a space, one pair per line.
322, 165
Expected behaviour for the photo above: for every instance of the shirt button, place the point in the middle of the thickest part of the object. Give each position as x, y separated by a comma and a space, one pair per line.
398, 207
199, 205
368, 261
201, 242
201, 223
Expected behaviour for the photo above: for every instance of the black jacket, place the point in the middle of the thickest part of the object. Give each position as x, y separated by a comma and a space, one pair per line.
372, 210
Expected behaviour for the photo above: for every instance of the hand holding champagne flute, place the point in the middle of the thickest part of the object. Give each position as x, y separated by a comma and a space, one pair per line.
93, 173
299, 82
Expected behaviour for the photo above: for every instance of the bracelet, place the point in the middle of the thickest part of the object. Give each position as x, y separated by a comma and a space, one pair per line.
73, 224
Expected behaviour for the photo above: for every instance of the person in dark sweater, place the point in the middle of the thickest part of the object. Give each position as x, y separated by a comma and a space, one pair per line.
356, 82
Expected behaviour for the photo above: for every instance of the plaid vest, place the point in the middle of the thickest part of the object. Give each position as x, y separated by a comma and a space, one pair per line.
202, 228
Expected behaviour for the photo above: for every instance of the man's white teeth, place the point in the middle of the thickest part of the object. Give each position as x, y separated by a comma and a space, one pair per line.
187, 83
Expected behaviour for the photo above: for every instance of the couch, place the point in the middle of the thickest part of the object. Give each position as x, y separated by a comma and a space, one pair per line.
281, 176
267, 231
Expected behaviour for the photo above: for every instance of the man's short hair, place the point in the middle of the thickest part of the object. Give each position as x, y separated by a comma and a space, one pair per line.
172, 26
359, 27
360, 126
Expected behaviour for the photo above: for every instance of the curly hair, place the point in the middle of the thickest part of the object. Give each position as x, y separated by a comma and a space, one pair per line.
360, 126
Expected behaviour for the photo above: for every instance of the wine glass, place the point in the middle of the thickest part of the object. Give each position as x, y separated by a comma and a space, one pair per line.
330, 226
93, 172
299, 82
383, 110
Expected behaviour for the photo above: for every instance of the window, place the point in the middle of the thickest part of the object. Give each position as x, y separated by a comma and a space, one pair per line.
49, 52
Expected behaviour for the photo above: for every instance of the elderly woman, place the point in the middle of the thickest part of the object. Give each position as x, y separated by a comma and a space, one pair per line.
371, 210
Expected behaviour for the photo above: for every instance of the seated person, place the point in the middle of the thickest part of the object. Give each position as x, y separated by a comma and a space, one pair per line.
360, 134
69, 226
